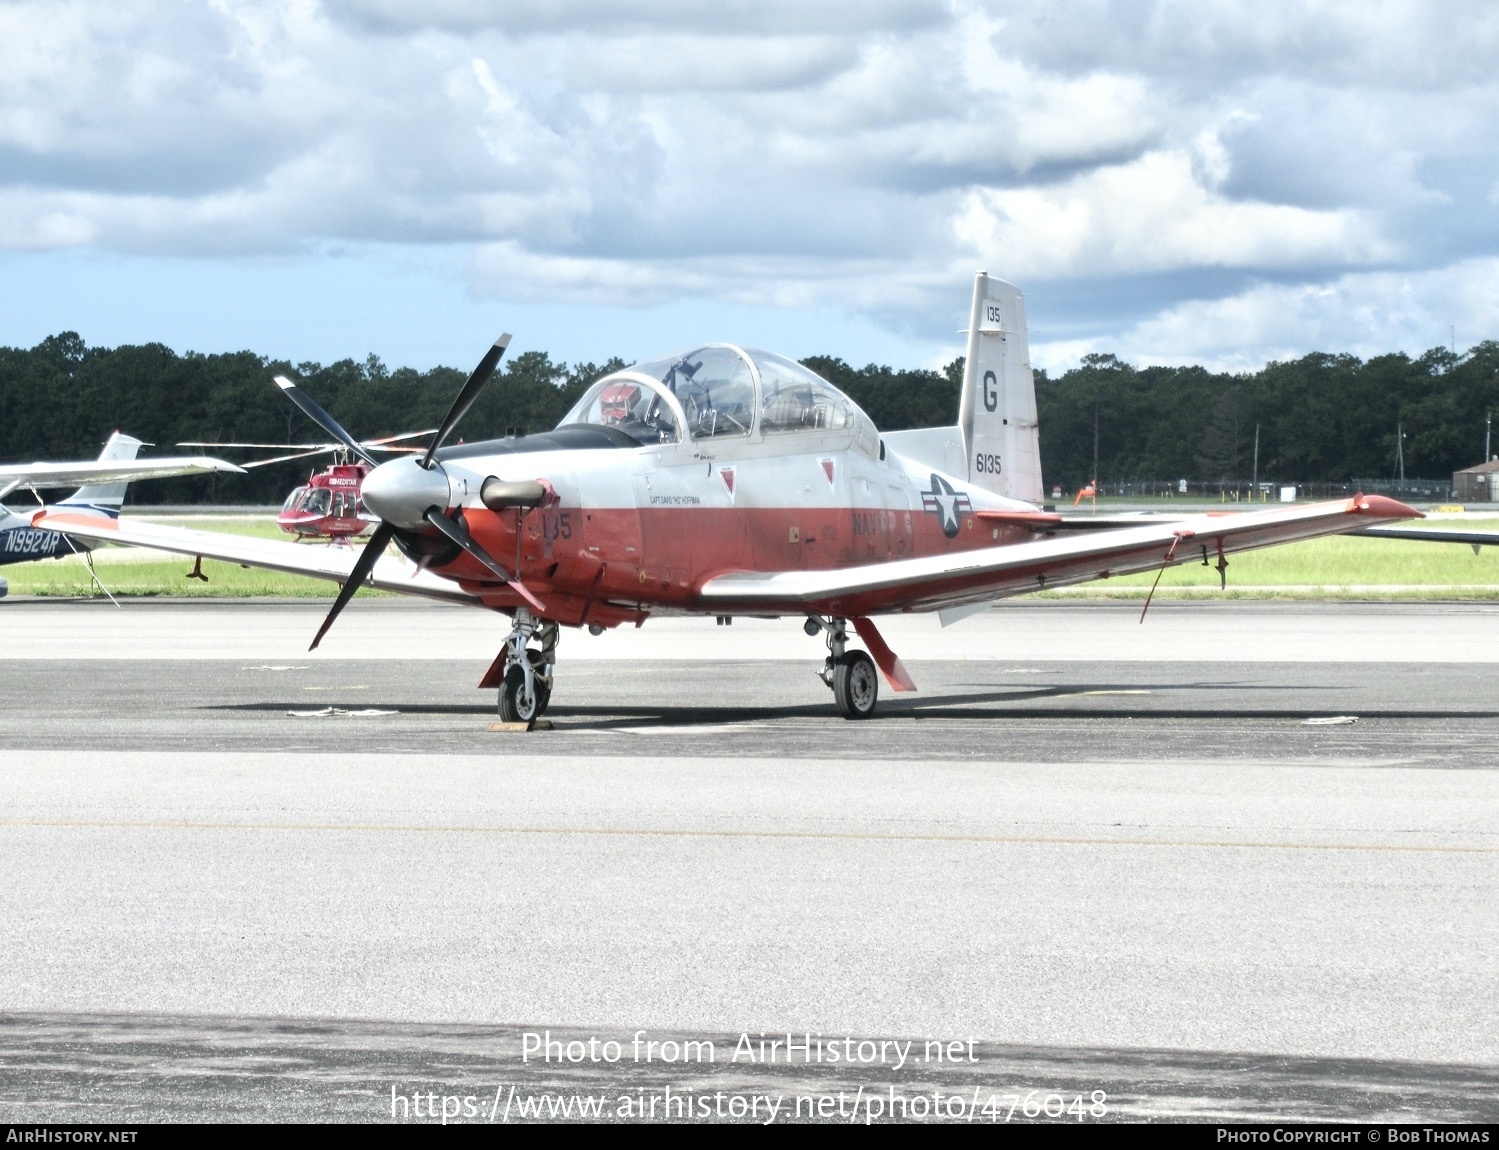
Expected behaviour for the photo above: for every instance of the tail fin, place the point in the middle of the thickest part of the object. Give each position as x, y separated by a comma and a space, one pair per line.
997, 412
105, 498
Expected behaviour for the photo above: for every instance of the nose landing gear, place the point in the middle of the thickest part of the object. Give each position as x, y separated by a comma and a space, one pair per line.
850, 674
526, 688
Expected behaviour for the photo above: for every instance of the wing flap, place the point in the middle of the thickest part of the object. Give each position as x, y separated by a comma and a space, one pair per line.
391, 573
942, 581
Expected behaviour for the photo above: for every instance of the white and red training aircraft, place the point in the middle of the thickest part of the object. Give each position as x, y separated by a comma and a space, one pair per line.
728, 481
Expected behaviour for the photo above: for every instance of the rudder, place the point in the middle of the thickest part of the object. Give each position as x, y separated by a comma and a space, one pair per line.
105, 498
997, 412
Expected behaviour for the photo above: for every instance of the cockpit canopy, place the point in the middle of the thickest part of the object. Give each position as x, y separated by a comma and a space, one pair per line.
723, 393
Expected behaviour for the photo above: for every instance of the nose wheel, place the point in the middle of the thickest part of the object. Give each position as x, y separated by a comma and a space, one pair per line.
524, 698
851, 674
526, 688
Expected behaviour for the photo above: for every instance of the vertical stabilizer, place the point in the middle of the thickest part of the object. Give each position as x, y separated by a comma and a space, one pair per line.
997, 412
105, 498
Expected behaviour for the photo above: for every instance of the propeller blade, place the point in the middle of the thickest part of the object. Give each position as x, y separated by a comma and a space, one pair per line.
362, 567
458, 533
314, 411
469, 393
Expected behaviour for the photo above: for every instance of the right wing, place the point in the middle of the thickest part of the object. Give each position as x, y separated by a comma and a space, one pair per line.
959, 578
391, 573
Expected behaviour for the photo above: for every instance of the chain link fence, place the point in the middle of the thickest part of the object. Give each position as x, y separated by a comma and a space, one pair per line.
1267, 491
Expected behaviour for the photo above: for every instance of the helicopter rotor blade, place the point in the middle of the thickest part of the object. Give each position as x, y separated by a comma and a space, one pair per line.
466, 396
384, 439
314, 411
362, 567
298, 455
458, 533
280, 446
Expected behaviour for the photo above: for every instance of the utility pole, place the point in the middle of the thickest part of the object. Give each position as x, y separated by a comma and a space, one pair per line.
1400, 450
1488, 427
1254, 484
1095, 439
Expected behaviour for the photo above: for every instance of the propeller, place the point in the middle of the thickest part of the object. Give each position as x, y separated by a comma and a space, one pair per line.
400, 489
314, 411
373, 549
458, 533
466, 396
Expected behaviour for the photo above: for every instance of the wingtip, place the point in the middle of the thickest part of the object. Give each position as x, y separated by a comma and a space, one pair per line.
1383, 507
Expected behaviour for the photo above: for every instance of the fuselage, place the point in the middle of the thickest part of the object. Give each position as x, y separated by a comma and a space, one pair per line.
628, 531
20, 542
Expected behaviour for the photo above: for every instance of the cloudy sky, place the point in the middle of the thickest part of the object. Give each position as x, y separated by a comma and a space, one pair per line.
1185, 181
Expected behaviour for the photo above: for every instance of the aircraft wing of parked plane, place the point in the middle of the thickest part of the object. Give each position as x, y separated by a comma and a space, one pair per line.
40, 476
102, 491
730, 481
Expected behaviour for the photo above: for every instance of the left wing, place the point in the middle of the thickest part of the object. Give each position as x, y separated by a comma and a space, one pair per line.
963, 577
43, 475
391, 573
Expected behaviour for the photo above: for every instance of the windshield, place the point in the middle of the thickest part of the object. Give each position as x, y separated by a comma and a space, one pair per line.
715, 387
720, 391
795, 398
630, 402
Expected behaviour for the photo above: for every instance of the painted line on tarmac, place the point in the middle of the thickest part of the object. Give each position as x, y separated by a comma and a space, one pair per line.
687, 832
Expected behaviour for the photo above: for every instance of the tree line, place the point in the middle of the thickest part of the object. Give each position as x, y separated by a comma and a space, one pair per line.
1321, 418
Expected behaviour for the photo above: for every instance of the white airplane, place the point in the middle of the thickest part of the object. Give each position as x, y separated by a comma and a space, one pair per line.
104, 481
728, 481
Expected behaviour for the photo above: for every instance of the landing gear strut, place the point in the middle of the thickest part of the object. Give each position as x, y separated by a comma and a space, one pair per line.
850, 674
526, 688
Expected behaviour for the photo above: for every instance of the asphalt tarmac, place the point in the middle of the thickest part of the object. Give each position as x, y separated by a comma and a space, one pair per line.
1236, 862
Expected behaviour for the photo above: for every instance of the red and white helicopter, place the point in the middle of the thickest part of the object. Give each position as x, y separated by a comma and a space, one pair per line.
329, 505
728, 481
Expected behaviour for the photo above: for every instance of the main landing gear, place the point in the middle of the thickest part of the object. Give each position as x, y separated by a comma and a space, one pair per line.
526, 688
850, 674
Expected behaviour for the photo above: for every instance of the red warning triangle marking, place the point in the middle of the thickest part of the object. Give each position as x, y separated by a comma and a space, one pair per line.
728, 478
827, 469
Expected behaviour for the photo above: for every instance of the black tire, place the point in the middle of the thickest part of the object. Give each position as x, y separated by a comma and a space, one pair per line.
543, 689
515, 706
856, 685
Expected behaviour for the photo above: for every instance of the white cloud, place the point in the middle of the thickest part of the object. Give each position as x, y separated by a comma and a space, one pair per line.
730, 17
1213, 43
856, 156
1364, 314
1150, 215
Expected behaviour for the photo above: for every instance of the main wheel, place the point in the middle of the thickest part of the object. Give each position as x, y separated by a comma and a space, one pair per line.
516, 704
856, 685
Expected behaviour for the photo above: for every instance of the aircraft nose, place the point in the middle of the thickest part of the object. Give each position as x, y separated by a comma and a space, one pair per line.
401, 491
